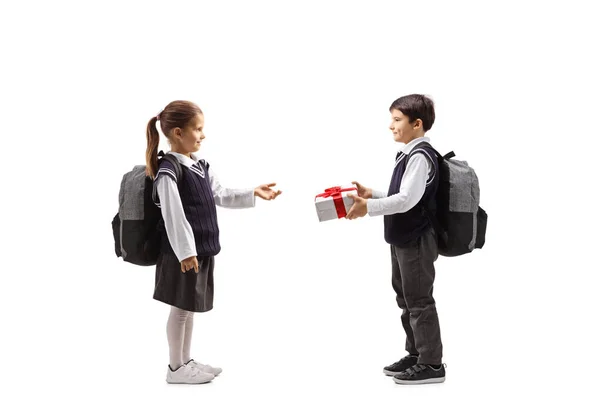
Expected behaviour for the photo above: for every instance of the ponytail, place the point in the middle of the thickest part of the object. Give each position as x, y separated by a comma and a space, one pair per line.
152, 137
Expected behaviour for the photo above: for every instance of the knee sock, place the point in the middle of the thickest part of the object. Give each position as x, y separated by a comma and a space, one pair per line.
187, 340
176, 335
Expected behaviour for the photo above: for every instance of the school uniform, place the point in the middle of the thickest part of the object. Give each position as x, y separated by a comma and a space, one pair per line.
413, 245
189, 227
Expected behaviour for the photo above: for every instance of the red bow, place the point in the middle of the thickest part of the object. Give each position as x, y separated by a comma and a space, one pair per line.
336, 193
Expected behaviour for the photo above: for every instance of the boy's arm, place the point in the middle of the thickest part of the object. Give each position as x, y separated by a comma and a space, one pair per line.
179, 230
411, 191
230, 198
378, 194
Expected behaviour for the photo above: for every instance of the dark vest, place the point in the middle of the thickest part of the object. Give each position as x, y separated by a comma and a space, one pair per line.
198, 205
402, 228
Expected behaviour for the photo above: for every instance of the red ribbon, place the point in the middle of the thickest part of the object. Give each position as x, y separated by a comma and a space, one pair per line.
336, 193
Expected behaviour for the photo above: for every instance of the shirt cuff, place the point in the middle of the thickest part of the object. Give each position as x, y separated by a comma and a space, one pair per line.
187, 255
374, 207
250, 198
378, 194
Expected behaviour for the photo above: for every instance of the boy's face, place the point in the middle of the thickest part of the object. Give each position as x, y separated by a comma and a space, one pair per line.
405, 131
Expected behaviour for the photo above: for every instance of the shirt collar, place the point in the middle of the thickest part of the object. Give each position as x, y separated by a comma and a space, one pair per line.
406, 148
187, 161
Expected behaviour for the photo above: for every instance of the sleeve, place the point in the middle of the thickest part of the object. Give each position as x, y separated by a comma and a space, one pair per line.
411, 191
230, 198
378, 194
179, 230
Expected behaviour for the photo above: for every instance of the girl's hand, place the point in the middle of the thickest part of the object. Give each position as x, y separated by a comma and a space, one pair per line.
266, 193
364, 192
189, 263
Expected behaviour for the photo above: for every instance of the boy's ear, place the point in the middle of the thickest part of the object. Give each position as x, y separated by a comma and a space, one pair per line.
418, 123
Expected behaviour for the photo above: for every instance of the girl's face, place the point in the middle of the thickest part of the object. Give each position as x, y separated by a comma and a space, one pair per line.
188, 139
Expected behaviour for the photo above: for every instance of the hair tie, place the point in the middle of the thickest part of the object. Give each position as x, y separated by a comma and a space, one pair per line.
158, 115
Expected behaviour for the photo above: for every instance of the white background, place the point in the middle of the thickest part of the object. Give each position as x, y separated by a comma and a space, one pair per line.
298, 93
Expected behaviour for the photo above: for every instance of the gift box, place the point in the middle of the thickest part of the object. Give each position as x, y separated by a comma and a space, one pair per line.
334, 203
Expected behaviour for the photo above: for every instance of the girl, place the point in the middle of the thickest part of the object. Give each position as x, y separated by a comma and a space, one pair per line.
190, 233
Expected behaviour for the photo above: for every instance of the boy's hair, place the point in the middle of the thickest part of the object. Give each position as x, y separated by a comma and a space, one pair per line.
416, 106
177, 114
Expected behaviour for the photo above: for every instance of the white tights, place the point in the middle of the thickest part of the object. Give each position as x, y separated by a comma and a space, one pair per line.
179, 336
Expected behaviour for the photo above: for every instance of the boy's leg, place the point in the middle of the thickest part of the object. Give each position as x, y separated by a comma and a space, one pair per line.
418, 274
397, 285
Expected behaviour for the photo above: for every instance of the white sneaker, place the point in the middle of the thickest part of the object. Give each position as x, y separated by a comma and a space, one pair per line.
205, 368
188, 374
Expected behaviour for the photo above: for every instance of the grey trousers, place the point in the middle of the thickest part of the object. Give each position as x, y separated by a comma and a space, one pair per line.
413, 274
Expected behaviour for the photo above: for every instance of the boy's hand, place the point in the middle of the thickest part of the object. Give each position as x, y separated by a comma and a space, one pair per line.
266, 193
359, 209
364, 192
189, 263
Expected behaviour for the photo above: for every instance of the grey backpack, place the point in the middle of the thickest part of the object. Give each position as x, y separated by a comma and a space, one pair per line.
135, 227
460, 222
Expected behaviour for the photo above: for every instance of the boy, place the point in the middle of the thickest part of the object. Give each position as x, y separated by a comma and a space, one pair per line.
411, 237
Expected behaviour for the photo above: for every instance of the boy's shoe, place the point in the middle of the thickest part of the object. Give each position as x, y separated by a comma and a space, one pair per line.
205, 368
400, 366
188, 374
421, 373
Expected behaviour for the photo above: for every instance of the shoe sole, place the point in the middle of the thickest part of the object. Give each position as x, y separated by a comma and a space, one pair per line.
390, 373
419, 382
189, 383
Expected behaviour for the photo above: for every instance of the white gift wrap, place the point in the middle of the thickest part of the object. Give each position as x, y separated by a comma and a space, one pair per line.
325, 206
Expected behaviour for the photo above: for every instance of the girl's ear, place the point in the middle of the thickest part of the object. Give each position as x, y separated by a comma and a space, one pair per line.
176, 133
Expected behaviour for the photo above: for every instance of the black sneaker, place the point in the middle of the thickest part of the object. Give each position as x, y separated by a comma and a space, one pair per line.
421, 373
401, 365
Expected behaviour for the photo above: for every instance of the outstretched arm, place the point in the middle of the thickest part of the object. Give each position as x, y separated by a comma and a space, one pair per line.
230, 198
410, 193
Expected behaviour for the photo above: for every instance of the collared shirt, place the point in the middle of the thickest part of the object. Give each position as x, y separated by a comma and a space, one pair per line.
179, 230
412, 186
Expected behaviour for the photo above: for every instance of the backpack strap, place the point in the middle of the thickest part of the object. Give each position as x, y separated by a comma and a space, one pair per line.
437, 227
419, 148
448, 155
176, 166
174, 162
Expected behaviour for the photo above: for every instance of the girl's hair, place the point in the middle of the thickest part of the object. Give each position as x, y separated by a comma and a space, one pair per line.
177, 114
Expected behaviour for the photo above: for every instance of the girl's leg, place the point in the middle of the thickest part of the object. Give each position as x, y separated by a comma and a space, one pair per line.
175, 336
187, 340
